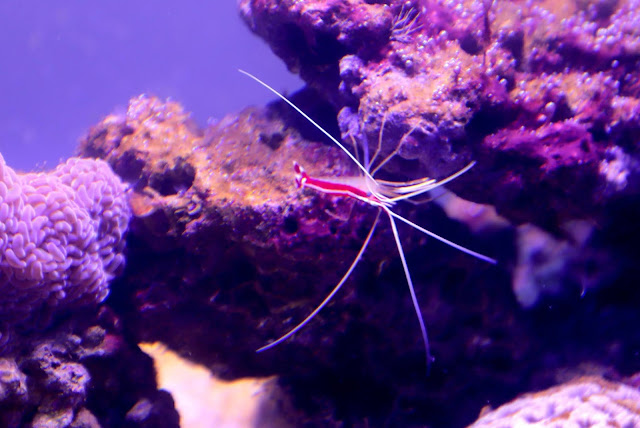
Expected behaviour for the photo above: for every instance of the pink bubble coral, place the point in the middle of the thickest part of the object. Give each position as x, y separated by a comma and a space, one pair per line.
61, 237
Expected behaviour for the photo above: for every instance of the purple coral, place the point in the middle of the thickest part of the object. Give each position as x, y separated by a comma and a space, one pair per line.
61, 236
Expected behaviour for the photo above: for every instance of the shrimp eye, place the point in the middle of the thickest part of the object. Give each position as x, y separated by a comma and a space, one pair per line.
300, 175
297, 168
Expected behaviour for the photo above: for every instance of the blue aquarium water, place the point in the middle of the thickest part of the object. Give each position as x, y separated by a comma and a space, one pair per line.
67, 64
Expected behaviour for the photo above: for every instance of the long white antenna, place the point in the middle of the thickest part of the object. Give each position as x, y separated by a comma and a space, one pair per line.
296, 108
444, 240
412, 291
330, 296
398, 192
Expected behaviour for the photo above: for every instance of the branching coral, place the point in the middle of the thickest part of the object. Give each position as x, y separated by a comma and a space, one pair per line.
61, 236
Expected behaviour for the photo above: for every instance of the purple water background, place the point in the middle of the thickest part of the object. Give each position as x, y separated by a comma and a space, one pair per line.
66, 64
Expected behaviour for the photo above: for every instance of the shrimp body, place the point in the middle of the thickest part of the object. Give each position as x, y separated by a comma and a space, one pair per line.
338, 188
378, 193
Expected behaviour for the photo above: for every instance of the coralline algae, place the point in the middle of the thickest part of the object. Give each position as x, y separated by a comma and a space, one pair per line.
537, 92
219, 226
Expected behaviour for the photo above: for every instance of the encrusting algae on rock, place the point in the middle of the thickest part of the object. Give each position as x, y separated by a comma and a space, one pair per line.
221, 206
225, 253
536, 92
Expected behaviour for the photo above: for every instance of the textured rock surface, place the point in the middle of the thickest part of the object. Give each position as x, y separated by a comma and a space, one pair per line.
584, 402
543, 94
225, 254
81, 374
61, 239
219, 226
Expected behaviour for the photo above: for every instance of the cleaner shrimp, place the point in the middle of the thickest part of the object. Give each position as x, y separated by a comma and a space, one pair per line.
381, 194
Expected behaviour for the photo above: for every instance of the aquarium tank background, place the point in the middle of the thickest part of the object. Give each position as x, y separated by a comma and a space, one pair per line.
319, 213
67, 64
